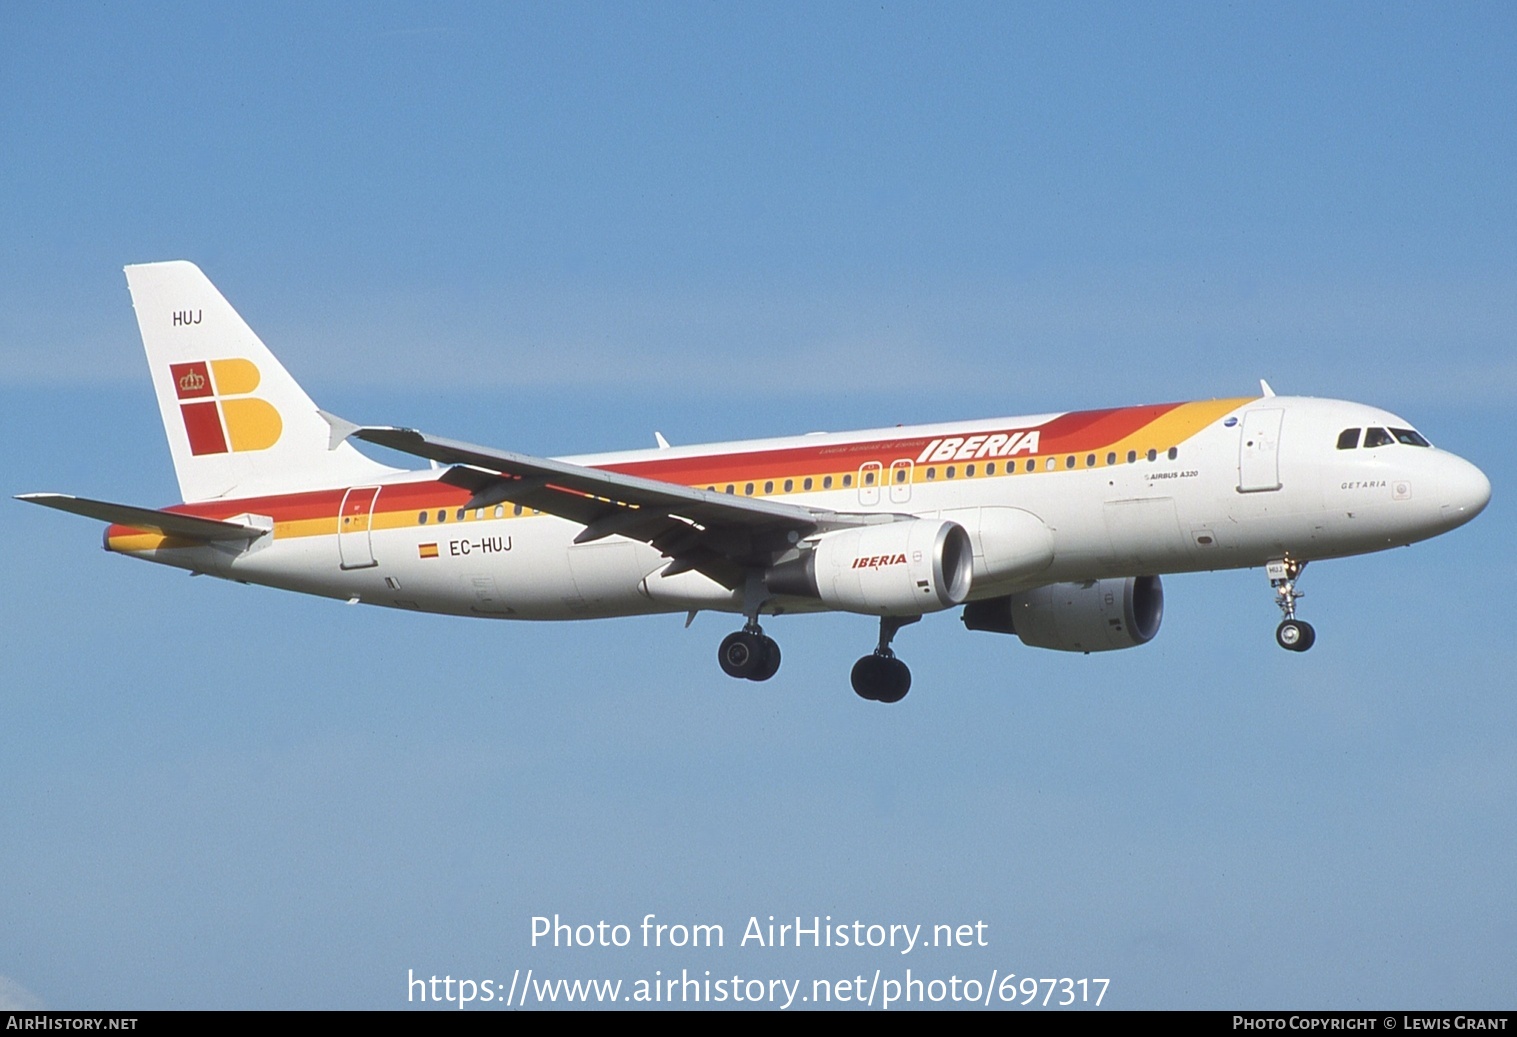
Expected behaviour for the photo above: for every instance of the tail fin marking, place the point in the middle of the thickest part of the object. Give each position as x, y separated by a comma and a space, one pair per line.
237, 423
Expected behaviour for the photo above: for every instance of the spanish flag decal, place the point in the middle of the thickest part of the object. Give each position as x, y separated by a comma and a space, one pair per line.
427, 550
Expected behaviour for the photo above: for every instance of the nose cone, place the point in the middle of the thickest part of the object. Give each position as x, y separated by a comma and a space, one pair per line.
1465, 491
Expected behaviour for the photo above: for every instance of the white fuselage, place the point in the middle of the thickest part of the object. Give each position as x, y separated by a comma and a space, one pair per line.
1264, 480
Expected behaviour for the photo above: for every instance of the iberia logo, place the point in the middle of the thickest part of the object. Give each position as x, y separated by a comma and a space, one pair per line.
875, 561
219, 415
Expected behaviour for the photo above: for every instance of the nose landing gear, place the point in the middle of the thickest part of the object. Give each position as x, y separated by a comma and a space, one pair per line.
882, 677
1295, 635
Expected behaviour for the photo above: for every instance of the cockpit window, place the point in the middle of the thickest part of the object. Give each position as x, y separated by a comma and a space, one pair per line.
1410, 437
1348, 439
1377, 437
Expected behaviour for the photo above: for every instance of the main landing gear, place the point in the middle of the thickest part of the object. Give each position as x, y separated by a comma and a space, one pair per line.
749, 654
882, 677
1295, 635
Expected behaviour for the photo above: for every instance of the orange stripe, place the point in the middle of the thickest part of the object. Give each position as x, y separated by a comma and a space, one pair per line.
1139, 429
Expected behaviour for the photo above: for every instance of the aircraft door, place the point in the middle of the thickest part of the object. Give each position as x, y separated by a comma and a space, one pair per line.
900, 481
869, 483
354, 519
1259, 451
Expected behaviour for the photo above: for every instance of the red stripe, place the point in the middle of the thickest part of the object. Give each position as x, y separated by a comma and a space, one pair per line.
1094, 429
1076, 432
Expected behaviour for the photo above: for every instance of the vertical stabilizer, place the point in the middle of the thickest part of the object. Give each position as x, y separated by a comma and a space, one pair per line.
237, 423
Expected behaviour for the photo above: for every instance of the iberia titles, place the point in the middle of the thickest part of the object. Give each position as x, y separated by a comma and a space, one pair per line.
875, 561
972, 448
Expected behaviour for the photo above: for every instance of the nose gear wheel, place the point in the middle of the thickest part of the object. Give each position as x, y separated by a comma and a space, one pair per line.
1294, 635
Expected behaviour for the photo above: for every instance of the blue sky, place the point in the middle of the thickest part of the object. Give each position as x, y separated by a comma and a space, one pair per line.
555, 228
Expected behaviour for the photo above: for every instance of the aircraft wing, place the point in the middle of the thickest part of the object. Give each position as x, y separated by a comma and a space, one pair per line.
719, 534
149, 520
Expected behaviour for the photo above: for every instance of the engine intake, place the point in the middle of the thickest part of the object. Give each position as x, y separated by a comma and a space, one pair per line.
1097, 616
893, 569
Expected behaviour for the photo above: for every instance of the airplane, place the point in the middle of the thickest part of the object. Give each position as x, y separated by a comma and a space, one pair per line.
1053, 527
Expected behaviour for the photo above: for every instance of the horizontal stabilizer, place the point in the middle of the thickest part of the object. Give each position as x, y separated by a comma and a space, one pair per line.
149, 520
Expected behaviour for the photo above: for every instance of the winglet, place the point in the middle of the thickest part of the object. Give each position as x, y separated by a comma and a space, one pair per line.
341, 429
663, 444
1264, 387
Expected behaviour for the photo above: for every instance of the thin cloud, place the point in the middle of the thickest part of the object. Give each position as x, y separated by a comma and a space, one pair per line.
1159, 335
16, 998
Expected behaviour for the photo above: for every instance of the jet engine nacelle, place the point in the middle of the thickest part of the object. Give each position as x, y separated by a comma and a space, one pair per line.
892, 569
1096, 616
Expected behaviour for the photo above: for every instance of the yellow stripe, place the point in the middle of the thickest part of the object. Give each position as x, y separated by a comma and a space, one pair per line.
312, 527
1170, 429
134, 543
1176, 427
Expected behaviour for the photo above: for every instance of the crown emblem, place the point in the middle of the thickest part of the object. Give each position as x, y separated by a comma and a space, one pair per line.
192, 381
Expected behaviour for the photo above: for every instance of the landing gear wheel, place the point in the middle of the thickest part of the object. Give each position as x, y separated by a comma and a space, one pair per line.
897, 682
741, 654
749, 655
770, 664
1295, 635
866, 676
881, 678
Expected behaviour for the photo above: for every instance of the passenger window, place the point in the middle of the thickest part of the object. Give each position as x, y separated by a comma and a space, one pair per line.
847, 481
990, 469
769, 486
442, 516
500, 511
1348, 439
1174, 452
1090, 460
748, 490
826, 482
1069, 462
869, 478
516, 509
1377, 437
1152, 453
1409, 437
1111, 458
932, 473
900, 475
1132, 455
969, 471
1031, 464
807, 484
461, 514
948, 472
1053, 463
789, 485
730, 488
421, 520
